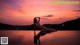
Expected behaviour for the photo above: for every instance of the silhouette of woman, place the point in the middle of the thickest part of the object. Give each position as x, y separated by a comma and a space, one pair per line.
36, 23
43, 31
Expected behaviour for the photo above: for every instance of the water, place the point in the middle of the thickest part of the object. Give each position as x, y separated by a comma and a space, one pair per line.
55, 38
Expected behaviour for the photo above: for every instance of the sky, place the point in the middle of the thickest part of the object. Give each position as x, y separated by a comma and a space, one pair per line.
22, 12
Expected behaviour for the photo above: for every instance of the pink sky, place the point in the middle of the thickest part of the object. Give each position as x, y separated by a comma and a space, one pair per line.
22, 12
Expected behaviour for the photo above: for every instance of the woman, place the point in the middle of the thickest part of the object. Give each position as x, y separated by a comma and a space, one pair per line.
43, 31
36, 24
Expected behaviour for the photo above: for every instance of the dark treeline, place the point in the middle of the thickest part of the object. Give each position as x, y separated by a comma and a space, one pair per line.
69, 25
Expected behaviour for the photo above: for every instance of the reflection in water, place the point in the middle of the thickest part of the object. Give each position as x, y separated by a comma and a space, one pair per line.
57, 38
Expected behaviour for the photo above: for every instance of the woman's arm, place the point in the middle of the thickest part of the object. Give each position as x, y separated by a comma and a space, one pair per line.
38, 21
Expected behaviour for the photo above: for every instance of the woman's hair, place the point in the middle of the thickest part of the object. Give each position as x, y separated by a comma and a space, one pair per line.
36, 21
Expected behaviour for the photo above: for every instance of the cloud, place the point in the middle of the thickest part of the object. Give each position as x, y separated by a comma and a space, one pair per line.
77, 10
48, 16
11, 5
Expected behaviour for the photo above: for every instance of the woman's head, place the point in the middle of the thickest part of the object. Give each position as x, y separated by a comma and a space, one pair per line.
36, 19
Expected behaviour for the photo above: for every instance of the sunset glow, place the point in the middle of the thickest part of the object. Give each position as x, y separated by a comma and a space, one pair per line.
22, 12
